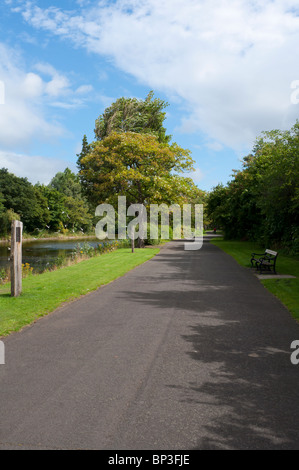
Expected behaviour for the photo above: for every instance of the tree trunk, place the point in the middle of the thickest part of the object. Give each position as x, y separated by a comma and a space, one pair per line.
140, 243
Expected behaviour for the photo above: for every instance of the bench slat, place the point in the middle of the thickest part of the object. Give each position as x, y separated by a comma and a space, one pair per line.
274, 253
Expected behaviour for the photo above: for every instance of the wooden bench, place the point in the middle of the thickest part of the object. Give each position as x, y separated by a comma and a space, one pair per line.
264, 262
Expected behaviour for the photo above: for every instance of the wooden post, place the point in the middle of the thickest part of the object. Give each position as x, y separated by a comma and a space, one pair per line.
131, 236
16, 258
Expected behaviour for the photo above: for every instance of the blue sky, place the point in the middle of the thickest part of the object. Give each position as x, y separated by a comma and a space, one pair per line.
225, 67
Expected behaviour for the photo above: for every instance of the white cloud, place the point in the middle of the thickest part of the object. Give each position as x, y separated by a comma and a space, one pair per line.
24, 116
197, 175
215, 146
231, 61
33, 85
35, 168
58, 85
84, 89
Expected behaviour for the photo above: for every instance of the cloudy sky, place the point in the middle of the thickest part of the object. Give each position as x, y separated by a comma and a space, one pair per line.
229, 70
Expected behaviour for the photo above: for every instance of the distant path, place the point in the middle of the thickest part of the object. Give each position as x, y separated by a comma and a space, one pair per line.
188, 351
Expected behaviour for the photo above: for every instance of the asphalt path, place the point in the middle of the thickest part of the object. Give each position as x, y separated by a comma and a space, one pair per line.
187, 351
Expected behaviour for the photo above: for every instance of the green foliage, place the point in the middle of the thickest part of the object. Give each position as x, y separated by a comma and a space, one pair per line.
58, 207
82, 249
6, 219
262, 201
137, 166
67, 183
3, 275
132, 156
22, 198
85, 150
2, 207
133, 115
72, 213
27, 270
108, 246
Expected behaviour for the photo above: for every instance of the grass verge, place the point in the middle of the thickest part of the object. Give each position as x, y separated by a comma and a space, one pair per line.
286, 290
45, 292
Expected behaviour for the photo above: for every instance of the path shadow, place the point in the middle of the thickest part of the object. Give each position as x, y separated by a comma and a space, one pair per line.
238, 341
251, 391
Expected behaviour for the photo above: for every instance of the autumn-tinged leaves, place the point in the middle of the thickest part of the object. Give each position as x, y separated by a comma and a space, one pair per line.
137, 166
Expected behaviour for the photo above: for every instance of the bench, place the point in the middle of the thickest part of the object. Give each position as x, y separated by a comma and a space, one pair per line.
264, 262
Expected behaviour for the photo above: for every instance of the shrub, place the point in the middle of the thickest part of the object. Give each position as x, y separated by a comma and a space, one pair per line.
27, 270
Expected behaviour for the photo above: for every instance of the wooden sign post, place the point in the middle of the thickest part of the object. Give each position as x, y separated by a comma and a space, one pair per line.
16, 258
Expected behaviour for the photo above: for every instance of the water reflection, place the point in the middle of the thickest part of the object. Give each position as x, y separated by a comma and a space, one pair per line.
42, 254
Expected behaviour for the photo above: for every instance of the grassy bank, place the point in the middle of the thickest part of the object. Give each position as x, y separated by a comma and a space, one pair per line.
43, 293
49, 236
286, 290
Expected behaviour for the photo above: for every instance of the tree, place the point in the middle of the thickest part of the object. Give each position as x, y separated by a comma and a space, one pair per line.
274, 168
77, 214
66, 212
85, 150
262, 201
133, 115
2, 207
137, 166
22, 198
76, 208
67, 183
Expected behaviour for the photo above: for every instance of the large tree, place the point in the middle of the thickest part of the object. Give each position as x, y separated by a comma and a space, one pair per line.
137, 166
134, 115
132, 156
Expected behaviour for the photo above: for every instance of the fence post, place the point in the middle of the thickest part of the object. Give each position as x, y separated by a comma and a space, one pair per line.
16, 258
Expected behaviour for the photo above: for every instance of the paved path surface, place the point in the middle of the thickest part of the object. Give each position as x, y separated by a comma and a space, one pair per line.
188, 351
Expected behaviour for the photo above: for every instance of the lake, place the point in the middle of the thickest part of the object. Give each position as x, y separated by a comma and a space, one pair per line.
41, 254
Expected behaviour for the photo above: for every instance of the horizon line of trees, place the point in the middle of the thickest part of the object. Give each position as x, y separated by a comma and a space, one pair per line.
133, 156
56, 207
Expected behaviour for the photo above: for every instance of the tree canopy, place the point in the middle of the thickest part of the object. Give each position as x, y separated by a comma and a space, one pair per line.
137, 166
67, 182
134, 115
20, 196
56, 207
262, 201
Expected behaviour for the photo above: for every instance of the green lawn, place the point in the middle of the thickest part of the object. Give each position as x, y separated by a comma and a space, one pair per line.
285, 289
43, 293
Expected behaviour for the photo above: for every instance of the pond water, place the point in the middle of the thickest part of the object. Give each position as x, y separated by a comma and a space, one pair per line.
42, 254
